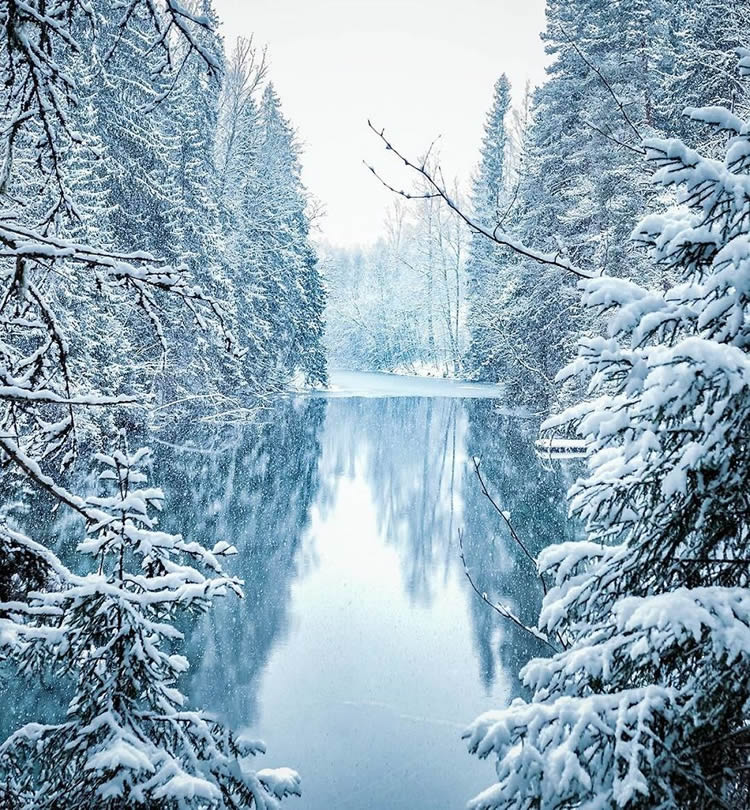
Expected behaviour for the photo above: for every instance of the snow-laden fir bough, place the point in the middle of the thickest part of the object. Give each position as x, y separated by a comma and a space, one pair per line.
649, 705
129, 738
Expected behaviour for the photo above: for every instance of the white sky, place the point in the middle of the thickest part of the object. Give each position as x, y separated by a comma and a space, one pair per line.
419, 68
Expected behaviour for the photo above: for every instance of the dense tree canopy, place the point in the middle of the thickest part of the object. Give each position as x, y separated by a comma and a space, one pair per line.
135, 280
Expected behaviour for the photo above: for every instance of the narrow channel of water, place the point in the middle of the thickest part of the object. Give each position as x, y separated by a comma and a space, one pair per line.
360, 652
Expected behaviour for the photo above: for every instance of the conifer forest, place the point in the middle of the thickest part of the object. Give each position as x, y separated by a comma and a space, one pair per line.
375, 404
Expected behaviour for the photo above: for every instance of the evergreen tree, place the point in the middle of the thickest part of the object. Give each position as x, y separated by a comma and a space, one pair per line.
695, 65
141, 149
620, 72
90, 308
579, 192
240, 251
128, 740
289, 296
489, 197
191, 116
646, 703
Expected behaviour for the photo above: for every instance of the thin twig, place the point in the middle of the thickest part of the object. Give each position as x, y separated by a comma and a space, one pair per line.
503, 611
622, 144
505, 517
598, 72
496, 235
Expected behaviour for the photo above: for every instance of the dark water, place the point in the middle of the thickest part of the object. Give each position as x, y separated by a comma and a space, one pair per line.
359, 652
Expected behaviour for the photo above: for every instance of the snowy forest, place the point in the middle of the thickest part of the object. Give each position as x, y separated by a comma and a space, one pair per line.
480, 483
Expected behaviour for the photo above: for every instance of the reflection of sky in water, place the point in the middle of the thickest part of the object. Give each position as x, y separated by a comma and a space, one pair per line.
359, 652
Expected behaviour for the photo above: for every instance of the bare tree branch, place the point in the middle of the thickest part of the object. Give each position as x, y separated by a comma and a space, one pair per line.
516, 539
496, 235
636, 150
607, 85
500, 609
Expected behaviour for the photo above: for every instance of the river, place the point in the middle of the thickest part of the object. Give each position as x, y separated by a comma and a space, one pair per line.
360, 651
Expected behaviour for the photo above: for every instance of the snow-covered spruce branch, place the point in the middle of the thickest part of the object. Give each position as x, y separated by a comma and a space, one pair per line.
18, 618
128, 738
647, 706
438, 190
140, 269
36, 370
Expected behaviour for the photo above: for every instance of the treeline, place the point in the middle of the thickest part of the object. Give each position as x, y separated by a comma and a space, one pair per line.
399, 305
620, 72
562, 171
198, 167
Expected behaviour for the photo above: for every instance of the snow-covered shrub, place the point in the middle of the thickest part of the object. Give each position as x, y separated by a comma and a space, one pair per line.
648, 704
129, 740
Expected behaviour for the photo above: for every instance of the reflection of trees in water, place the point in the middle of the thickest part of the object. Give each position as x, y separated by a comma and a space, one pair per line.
535, 498
415, 455
410, 451
253, 489
252, 486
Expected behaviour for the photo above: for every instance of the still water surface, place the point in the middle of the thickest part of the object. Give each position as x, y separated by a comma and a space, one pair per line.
360, 652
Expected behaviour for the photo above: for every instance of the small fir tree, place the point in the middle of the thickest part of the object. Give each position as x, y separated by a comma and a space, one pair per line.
129, 739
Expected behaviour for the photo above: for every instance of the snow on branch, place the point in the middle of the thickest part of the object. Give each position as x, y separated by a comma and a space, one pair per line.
128, 733
35, 366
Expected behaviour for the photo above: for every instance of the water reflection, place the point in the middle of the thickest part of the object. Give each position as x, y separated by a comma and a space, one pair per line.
253, 488
359, 652
411, 452
535, 498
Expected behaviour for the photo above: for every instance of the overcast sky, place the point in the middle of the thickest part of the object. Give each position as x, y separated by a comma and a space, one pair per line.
419, 68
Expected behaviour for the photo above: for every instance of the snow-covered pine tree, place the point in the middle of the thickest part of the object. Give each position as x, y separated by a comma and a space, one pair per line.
695, 64
581, 187
313, 362
128, 739
488, 200
620, 72
46, 274
190, 115
246, 69
647, 706
289, 294
89, 308
236, 157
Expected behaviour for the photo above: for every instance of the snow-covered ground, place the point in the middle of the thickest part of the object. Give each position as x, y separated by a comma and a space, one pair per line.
377, 384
